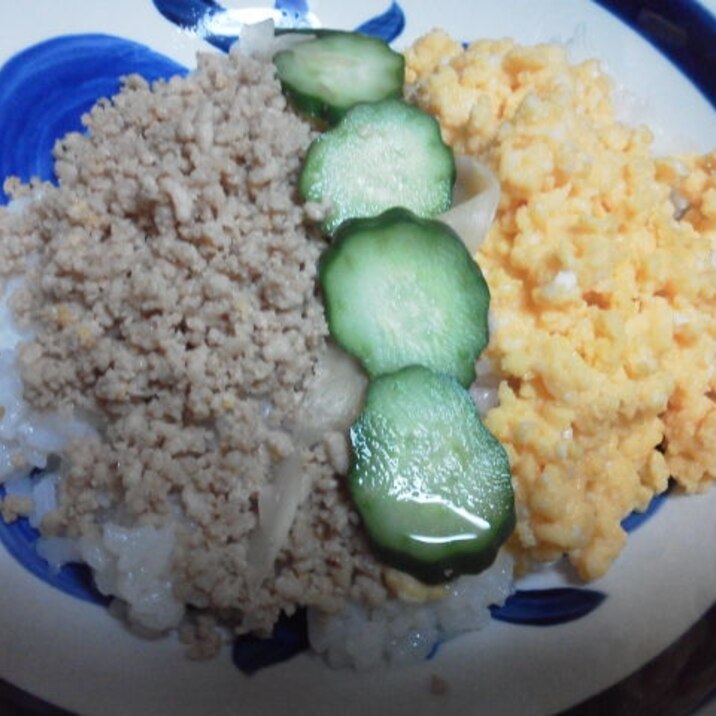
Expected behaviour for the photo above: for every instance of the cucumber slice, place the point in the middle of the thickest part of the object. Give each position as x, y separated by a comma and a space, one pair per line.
430, 482
400, 290
381, 155
325, 77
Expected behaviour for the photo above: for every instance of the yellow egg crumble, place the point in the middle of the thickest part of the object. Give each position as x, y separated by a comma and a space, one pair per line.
602, 268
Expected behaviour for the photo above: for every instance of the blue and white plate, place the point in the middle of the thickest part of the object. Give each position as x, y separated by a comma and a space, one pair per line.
641, 640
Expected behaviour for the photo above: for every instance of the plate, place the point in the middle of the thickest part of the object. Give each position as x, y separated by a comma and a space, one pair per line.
643, 638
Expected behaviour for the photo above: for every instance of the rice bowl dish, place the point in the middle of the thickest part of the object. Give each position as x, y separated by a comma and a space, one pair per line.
168, 368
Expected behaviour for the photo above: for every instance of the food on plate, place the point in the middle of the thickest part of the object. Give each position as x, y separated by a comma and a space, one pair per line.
328, 74
380, 155
400, 291
600, 263
168, 318
167, 361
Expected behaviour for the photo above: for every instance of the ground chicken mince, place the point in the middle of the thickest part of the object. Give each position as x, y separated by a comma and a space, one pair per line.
170, 279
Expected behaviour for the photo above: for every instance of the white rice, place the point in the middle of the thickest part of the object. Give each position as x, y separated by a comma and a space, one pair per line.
132, 565
401, 633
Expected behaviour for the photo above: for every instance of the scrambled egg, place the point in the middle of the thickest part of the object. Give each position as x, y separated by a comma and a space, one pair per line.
602, 269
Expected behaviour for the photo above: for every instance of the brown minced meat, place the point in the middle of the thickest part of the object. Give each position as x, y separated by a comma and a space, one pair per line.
174, 297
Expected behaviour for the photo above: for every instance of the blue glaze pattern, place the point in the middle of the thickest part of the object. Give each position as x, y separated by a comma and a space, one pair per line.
200, 17
45, 90
387, 26
220, 26
547, 607
637, 519
296, 10
682, 30
289, 638
188, 14
20, 538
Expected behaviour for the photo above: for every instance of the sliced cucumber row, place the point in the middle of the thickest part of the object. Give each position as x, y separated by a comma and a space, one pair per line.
430, 482
404, 296
400, 290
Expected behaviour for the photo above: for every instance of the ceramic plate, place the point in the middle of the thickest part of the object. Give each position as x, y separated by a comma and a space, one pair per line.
639, 640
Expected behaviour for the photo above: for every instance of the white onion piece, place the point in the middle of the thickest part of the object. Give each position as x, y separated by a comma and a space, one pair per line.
477, 194
334, 396
290, 39
256, 40
332, 402
259, 40
279, 499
